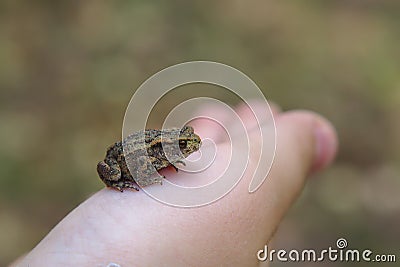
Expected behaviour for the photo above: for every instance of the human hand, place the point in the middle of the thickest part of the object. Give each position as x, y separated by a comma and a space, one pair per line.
132, 229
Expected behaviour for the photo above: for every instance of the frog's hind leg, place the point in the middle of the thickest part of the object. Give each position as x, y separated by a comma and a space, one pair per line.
109, 170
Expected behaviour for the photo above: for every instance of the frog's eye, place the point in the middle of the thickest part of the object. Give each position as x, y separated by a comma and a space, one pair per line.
182, 143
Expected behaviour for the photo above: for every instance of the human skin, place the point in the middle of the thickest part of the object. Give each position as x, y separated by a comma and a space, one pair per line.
132, 229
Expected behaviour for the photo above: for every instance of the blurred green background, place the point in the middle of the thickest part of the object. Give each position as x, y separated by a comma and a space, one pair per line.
69, 68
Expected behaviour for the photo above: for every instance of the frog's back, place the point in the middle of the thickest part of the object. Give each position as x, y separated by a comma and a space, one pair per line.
135, 142
129, 146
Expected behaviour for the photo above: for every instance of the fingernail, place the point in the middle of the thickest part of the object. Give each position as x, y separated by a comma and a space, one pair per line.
326, 144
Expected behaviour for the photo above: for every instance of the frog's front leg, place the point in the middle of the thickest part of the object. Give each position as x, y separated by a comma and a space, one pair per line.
178, 162
109, 171
181, 162
146, 174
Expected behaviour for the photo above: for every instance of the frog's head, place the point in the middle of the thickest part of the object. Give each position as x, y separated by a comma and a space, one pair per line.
189, 142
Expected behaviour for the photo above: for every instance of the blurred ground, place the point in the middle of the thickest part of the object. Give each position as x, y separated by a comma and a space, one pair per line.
69, 69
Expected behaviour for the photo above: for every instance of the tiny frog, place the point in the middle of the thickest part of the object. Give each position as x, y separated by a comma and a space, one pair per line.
147, 152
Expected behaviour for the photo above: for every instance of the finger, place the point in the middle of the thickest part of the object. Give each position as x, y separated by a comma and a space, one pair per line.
214, 119
254, 113
210, 121
247, 112
306, 142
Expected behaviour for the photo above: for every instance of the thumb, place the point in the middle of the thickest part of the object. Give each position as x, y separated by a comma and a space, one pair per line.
306, 142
